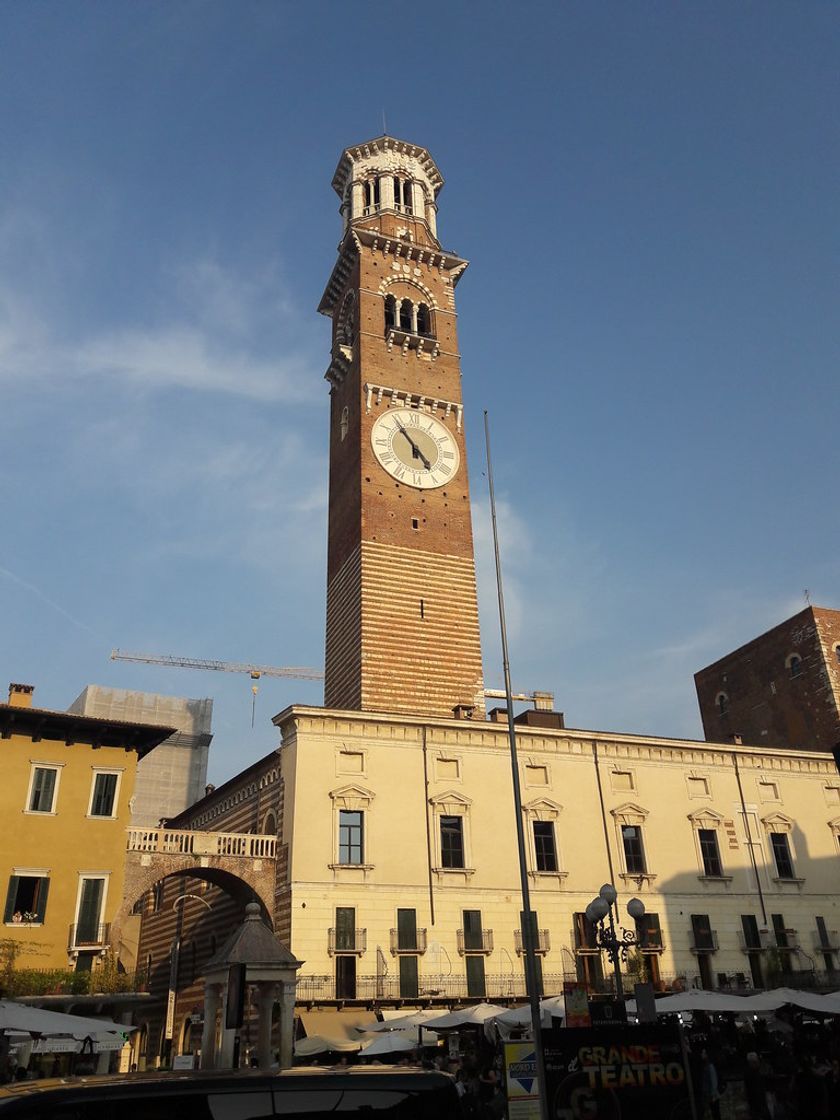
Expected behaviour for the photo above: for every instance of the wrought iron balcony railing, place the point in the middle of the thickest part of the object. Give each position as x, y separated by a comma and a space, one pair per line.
408, 944
543, 941
83, 936
475, 941
347, 940
703, 941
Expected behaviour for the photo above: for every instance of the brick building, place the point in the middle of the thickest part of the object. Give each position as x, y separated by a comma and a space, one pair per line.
782, 689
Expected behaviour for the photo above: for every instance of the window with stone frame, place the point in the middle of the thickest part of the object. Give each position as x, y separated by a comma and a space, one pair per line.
710, 852
351, 848
452, 842
545, 849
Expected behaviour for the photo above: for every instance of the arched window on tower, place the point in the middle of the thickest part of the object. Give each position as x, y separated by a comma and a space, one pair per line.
402, 195
794, 665
722, 702
371, 195
390, 313
424, 320
406, 316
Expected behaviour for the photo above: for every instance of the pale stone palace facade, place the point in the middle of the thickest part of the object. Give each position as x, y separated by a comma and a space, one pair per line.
395, 868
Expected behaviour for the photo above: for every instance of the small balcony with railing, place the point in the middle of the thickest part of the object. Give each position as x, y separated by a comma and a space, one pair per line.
475, 941
826, 941
703, 941
542, 941
86, 936
403, 941
750, 943
346, 941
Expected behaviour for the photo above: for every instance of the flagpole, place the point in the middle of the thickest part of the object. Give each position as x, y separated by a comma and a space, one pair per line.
528, 930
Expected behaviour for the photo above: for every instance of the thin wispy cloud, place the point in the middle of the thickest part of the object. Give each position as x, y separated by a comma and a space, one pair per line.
39, 594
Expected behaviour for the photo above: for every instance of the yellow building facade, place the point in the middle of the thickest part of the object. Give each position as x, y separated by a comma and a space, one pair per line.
403, 877
67, 783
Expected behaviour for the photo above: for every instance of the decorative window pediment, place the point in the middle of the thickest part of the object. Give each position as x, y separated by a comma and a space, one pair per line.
777, 822
352, 797
629, 813
450, 803
543, 809
705, 818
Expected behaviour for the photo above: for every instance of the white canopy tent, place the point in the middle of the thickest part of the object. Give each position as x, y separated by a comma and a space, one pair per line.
54, 1031
475, 1016
403, 1022
552, 1007
719, 1003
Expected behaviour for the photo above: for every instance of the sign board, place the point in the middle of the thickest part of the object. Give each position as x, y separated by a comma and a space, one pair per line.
619, 1073
183, 1061
235, 1004
645, 1003
522, 1085
577, 1005
170, 1014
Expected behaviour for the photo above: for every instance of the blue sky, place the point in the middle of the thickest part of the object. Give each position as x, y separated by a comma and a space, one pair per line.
647, 196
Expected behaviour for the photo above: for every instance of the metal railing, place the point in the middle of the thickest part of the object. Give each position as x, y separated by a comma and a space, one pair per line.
405, 944
705, 941
347, 940
88, 937
828, 944
168, 841
475, 941
749, 944
543, 941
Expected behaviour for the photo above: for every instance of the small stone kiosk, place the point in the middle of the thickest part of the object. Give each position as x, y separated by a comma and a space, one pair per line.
251, 957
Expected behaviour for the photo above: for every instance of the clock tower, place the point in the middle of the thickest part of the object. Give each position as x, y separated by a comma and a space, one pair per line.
402, 615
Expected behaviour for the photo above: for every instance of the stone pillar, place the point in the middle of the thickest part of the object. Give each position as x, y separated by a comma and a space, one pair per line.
287, 1022
357, 199
265, 1007
212, 1002
386, 192
418, 198
431, 218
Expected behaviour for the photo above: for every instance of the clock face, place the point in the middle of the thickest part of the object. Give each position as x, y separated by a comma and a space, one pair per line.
415, 448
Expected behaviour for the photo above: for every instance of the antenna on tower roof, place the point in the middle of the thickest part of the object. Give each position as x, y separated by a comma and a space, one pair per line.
807, 595
384, 124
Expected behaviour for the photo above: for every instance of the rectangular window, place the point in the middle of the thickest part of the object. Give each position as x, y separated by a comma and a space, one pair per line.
475, 977
102, 802
768, 791
26, 898
345, 929
472, 931
350, 836
781, 854
634, 852
701, 928
406, 929
710, 852
649, 931
752, 938
42, 794
409, 979
88, 921
622, 780
544, 847
585, 932
452, 842
698, 787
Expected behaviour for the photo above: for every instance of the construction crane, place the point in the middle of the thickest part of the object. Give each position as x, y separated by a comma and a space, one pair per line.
255, 672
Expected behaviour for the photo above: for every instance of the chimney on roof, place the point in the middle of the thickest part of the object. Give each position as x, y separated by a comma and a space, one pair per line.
20, 695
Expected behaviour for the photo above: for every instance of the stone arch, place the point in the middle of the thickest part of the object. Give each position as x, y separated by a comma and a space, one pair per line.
410, 282
140, 879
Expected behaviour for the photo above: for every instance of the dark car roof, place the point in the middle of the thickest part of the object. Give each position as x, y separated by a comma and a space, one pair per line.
74, 1089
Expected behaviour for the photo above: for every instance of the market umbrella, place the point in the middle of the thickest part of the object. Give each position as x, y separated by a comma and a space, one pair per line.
553, 1006
778, 997
715, 1003
306, 1047
475, 1016
20, 1018
392, 1042
402, 1022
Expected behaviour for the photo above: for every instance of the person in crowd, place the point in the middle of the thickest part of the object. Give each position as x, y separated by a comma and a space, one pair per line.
709, 1086
755, 1087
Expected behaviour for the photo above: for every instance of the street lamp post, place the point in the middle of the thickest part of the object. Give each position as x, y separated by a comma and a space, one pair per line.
616, 940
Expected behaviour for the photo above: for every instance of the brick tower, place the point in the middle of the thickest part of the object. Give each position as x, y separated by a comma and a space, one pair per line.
402, 616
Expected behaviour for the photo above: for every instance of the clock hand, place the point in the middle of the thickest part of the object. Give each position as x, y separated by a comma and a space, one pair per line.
415, 448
